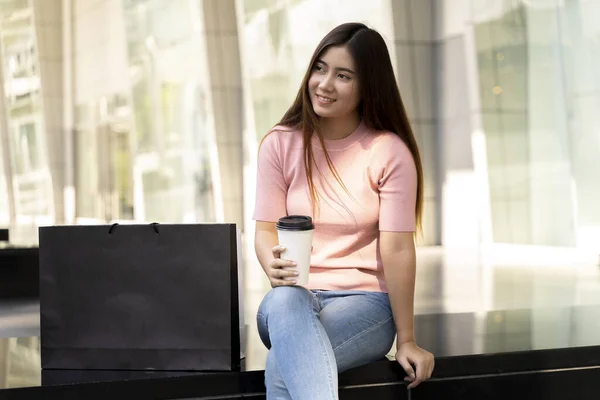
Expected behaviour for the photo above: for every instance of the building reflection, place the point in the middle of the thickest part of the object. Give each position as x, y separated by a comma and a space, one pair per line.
445, 334
20, 363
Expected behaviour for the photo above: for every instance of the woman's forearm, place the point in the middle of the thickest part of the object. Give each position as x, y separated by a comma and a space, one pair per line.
400, 271
265, 239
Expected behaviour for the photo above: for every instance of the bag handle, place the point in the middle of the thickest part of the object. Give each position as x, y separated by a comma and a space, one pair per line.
153, 225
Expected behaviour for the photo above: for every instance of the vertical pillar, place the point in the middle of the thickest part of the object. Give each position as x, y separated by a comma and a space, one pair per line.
227, 102
68, 119
48, 18
5, 145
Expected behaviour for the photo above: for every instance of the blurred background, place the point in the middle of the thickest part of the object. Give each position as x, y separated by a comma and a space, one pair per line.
152, 111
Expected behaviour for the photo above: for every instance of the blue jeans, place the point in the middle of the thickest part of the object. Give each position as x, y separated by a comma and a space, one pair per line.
314, 335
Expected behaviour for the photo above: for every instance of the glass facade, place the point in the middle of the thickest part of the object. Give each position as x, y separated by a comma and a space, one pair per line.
159, 117
538, 82
25, 187
169, 84
142, 150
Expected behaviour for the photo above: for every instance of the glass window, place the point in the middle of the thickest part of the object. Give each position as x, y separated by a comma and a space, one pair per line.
538, 86
25, 138
172, 132
27, 154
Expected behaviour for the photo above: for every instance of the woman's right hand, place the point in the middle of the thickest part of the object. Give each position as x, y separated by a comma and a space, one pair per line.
277, 275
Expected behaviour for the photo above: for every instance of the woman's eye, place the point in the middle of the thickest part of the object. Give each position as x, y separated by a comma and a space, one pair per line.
318, 68
344, 77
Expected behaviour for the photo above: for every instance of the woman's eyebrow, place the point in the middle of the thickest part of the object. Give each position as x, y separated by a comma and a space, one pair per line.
339, 69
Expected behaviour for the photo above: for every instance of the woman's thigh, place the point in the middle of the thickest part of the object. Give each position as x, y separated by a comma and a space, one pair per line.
360, 326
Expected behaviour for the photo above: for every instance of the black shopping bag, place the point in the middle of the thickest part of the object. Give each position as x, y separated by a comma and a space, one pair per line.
135, 297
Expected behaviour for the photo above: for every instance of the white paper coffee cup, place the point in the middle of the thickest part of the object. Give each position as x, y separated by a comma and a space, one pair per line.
295, 234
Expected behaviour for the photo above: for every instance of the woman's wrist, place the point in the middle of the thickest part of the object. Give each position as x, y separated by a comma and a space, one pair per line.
404, 337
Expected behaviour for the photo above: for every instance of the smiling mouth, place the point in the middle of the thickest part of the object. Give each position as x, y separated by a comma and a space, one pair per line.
324, 99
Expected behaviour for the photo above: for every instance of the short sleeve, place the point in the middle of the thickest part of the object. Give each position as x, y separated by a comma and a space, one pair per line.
397, 188
271, 189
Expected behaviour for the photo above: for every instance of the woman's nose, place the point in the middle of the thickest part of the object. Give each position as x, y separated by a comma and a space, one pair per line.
326, 83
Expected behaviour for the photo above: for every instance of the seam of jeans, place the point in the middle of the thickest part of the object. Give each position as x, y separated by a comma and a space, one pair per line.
358, 335
320, 338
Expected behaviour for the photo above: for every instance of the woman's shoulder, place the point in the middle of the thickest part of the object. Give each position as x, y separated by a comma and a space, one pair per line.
282, 135
283, 132
281, 140
283, 129
383, 141
388, 149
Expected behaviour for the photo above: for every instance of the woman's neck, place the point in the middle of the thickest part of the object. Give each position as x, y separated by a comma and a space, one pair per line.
338, 128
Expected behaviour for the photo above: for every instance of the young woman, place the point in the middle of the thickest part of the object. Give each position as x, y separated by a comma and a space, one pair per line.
343, 153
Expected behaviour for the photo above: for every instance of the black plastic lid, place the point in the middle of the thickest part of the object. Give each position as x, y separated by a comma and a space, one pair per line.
295, 223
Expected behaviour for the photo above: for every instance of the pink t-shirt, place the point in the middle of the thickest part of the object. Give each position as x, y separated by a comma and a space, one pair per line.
380, 175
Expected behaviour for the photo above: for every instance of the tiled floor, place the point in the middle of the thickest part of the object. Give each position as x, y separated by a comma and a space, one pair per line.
501, 301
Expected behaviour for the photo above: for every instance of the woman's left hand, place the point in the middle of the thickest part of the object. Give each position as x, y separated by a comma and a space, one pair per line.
410, 354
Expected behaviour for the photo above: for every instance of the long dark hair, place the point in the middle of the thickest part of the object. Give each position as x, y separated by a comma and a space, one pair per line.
380, 108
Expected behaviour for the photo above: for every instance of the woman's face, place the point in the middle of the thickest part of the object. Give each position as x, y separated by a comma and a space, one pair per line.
333, 84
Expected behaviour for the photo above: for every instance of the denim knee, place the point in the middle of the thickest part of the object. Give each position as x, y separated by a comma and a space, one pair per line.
285, 299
